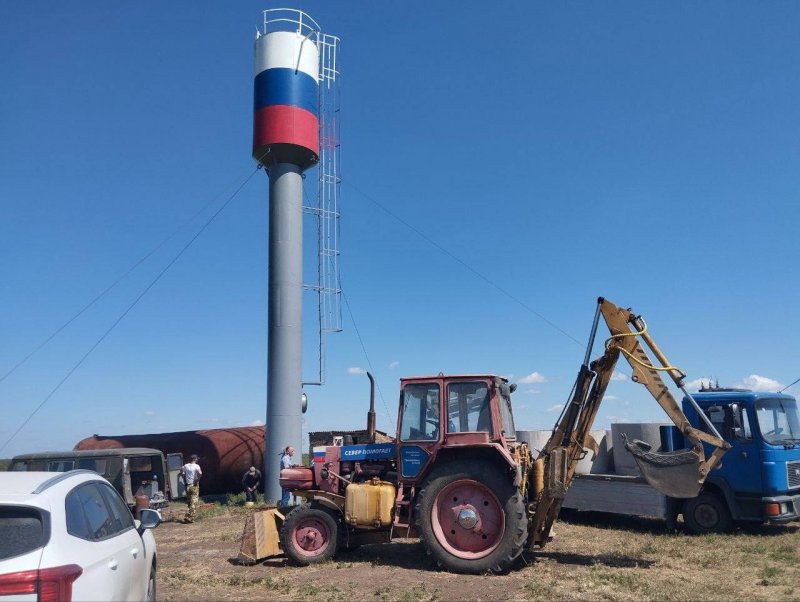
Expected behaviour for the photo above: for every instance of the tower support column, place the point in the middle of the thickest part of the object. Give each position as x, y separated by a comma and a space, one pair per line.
284, 322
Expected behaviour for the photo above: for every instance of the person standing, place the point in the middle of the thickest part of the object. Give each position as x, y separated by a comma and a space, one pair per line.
250, 481
191, 473
286, 462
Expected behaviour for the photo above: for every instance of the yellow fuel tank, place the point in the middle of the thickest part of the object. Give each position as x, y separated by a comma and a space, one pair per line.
369, 504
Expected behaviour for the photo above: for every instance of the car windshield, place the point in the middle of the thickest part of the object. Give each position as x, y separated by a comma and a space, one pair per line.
778, 420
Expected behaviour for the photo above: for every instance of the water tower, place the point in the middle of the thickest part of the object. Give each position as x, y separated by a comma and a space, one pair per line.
295, 75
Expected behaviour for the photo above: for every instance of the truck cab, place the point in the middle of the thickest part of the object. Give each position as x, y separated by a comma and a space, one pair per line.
759, 479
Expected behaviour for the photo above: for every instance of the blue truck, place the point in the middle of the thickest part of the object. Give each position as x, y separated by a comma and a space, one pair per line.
758, 480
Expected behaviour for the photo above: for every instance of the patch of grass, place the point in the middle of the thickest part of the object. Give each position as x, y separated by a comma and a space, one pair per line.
418, 593
756, 548
539, 588
208, 511
769, 574
237, 580
237, 501
784, 553
324, 592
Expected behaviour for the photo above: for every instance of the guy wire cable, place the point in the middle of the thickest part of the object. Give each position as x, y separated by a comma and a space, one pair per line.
110, 287
789, 386
457, 259
366, 355
127, 311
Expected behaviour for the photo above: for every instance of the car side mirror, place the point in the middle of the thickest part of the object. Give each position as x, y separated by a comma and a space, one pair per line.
149, 519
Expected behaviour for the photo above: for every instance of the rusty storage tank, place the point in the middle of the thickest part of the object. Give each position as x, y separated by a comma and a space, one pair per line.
225, 454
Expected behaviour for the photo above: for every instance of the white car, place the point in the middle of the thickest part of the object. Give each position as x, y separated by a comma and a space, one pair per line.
70, 536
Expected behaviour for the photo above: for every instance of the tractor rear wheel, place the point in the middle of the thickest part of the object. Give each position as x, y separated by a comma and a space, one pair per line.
471, 518
310, 535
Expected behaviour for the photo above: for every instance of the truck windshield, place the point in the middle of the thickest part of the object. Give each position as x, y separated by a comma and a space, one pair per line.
778, 420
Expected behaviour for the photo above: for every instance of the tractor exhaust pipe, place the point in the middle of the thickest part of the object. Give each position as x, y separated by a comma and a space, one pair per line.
371, 413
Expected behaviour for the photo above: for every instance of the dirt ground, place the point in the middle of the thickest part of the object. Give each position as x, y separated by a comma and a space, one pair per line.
593, 556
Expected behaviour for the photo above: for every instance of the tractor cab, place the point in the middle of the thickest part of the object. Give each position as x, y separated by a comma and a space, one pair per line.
441, 414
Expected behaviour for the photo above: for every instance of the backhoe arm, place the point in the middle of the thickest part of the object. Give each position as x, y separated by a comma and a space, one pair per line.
676, 474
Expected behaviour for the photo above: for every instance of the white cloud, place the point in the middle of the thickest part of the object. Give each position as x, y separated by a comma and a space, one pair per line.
356, 370
760, 383
555, 408
533, 377
150, 413
618, 419
532, 391
610, 397
694, 385
393, 365
619, 376
213, 419
257, 423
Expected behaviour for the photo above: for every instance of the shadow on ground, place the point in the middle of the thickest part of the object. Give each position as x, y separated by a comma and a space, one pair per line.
610, 560
603, 520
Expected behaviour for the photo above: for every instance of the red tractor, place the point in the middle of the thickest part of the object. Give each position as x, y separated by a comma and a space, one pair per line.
457, 478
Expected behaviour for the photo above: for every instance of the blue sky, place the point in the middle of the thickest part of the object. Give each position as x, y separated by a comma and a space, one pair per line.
642, 151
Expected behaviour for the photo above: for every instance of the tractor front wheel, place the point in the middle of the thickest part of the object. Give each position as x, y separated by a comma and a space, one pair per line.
310, 535
471, 518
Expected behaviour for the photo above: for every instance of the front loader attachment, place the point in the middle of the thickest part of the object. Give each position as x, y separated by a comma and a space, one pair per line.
261, 536
675, 474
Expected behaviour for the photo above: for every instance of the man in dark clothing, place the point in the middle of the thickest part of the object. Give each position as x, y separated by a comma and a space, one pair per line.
250, 481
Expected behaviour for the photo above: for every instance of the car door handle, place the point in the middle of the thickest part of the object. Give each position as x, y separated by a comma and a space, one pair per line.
113, 564
135, 552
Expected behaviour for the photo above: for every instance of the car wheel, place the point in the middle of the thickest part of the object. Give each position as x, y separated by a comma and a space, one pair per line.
151, 586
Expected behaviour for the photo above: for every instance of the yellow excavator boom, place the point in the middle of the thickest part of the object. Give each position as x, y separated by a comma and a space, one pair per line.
676, 474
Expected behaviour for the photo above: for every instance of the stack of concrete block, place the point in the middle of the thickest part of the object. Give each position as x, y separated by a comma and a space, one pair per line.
601, 464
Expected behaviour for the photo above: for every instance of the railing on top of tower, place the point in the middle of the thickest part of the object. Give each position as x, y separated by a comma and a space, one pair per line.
326, 209
290, 19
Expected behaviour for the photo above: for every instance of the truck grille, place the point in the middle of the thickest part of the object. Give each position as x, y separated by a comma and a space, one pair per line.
793, 474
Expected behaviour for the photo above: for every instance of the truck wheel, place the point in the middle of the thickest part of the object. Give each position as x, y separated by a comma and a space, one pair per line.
471, 518
310, 535
707, 513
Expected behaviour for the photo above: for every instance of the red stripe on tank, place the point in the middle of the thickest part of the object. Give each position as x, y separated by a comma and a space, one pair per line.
282, 124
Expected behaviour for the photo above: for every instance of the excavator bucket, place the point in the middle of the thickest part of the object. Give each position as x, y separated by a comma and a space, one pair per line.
261, 536
675, 474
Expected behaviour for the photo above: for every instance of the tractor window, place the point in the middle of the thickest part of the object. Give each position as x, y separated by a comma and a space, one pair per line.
420, 419
507, 417
468, 407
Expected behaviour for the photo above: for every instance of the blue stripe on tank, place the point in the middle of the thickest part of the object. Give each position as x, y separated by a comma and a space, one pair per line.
286, 87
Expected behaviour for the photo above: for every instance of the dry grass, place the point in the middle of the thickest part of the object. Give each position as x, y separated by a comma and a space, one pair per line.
593, 557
